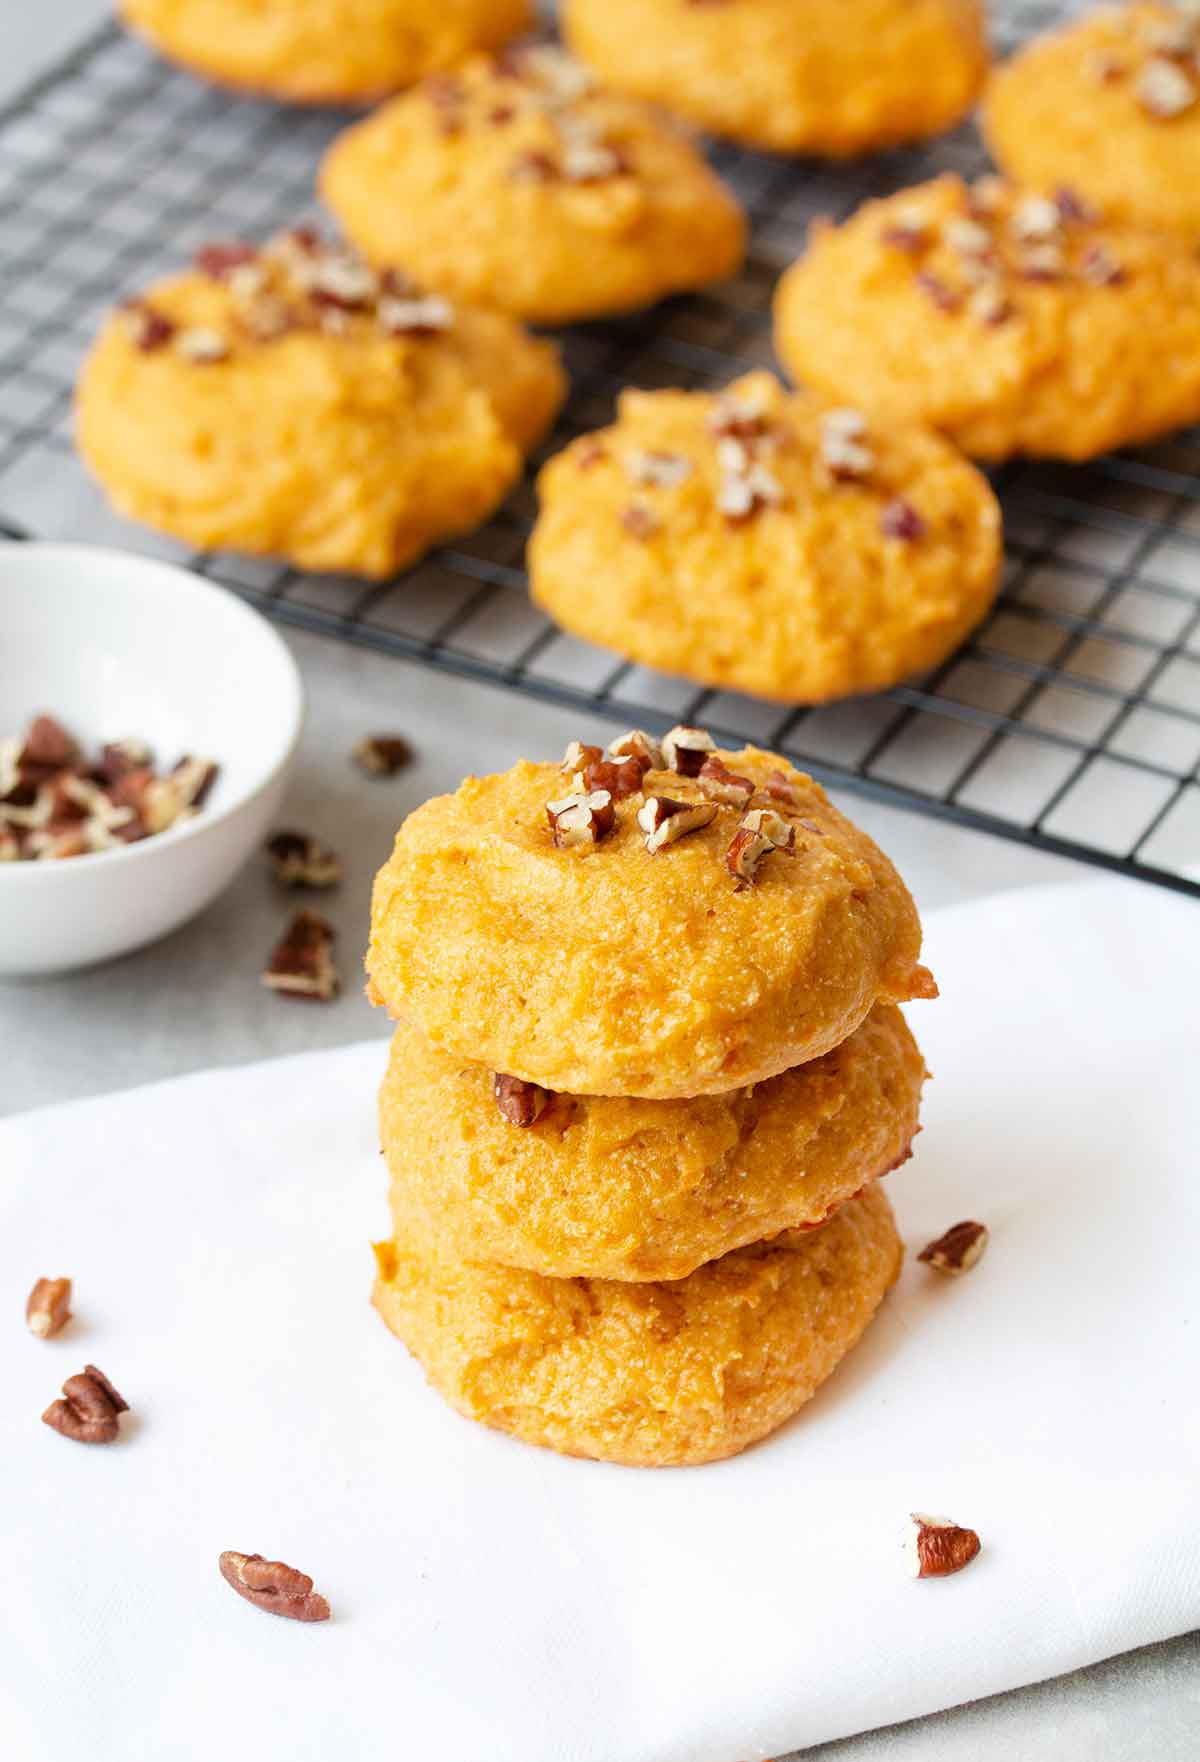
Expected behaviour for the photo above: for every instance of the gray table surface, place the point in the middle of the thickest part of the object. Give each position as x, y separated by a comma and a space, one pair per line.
195, 1000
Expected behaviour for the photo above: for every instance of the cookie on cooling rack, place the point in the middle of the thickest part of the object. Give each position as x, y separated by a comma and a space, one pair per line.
825, 77
644, 1374
513, 183
659, 928
766, 542
1109, 105
289, 401
1016, 323
323, 51
604, 1187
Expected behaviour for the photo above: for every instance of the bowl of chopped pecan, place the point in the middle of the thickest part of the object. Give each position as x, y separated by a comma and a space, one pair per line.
147, 723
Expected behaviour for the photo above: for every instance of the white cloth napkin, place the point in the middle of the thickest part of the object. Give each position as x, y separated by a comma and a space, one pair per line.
495, 1603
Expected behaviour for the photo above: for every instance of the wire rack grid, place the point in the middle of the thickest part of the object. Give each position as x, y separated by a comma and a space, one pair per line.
1070, 721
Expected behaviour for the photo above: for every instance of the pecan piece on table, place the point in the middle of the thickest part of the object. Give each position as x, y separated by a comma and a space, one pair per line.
271, 1585
89, 1409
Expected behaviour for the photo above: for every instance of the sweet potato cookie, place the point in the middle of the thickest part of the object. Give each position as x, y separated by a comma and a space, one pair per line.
645, 1374
606, 930
606, 1188
766, 542
1013, 322
822, 77
513, 183
323, 51
290, 401
1109, 106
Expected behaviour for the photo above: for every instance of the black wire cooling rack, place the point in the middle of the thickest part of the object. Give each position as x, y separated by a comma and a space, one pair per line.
1070, 721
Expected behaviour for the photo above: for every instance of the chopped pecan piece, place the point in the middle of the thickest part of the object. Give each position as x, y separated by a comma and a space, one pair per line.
218, 261
1036, 220
271, 1585
89, 1409
120, 756
943, 296
521, 1103
533, 167
417, 317
620, 777
937, 1546
640, 521
588, 452
721, 784
382, 755
780, 787
1099, 267
664, 470
844, 449
300, 860
148, 330
581, 818
579, 756
1164, 90
639, 746
899, 519
47, 743
958, 1250
202, 345
48, 1307
760, 832
664, 821
301, 964
684, 750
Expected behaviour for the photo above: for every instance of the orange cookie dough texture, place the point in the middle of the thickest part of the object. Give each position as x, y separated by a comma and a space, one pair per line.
602, 1187
1015, 323
323, 51
820, 77
514, 183
290, 402
766, 542
645, 1374
1109, 106
632, 965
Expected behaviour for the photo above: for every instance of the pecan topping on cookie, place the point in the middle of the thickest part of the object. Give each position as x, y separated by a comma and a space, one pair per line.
48, 1307
89, 1410
899, 519
639, 746
579, 755
271, 1585
1100, 267
760, 832
1164, 90
301, 963
148, 329
664, 820
640, 521
844, 449
664, 470
958, 1250
521, 1103
620, 777
937, 1546
203, 345
684, 750
719, 783
581, 818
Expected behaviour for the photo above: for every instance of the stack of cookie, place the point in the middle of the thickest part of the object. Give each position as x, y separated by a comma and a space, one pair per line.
648, 1072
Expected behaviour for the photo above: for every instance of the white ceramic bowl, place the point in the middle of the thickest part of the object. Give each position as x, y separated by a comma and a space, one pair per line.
116, 645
